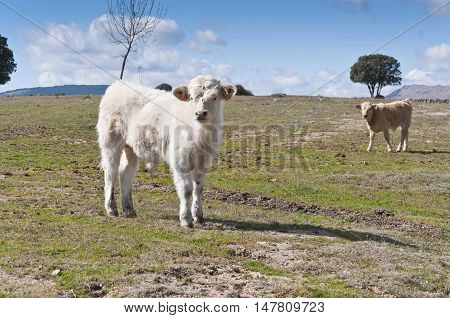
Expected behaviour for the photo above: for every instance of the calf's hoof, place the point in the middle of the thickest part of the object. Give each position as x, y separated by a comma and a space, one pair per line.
389, 150
187, 224
112, 213
199, 219
131, 214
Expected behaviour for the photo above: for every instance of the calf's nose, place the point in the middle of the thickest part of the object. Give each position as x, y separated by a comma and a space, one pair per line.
201, 113
365, 116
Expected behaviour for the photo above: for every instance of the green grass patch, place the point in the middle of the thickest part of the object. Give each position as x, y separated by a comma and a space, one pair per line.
328, 287
262, 268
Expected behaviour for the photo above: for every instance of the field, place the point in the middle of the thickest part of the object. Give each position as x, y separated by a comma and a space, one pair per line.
294, 207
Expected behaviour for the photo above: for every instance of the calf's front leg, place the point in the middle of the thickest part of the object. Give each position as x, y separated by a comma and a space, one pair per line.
371, 138
197, 198
183, 184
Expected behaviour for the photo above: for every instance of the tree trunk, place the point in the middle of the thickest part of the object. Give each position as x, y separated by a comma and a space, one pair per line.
124, 61
371, 89
379, 89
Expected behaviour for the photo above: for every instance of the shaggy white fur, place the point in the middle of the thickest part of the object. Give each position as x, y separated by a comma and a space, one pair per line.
183, 129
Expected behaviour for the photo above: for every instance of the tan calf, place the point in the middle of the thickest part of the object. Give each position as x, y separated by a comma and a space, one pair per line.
385, 117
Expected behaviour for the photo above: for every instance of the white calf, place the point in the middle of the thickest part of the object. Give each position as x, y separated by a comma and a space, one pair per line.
183, 129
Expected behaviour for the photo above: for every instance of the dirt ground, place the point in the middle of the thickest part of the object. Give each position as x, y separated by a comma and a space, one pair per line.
294, 207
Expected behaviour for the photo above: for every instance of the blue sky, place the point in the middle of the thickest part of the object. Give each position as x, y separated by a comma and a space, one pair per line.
268, 46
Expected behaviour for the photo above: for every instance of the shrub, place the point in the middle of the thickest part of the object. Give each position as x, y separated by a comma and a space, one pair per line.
164, 87
241, 91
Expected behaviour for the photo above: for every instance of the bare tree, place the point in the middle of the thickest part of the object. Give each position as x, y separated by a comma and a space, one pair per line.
131, 21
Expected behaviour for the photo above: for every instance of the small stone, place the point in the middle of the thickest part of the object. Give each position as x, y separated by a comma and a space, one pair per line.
256, 275
56, 272
185, 253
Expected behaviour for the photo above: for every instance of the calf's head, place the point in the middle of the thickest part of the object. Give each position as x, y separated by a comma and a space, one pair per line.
367, 110
206, 96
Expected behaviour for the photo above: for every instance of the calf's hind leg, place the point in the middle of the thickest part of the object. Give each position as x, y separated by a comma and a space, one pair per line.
402, 138
405, 140
128, 166
388, 139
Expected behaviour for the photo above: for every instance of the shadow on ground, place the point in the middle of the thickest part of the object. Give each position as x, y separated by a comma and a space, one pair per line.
307, 229
429, 152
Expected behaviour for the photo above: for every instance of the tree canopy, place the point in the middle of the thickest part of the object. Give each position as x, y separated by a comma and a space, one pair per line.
164, 87
7, 64
376, 71
241, 91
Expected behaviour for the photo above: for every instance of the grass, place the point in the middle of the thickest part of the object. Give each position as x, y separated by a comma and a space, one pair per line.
295, 148
262, 268
327, 287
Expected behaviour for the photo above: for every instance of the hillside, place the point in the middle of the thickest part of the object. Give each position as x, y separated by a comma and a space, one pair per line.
421, 92
65, 89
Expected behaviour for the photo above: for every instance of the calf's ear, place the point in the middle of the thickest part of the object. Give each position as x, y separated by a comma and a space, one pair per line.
358, 106
182, 93
228, 91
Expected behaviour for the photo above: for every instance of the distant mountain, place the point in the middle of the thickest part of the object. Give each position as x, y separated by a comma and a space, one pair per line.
66, 90
421, 92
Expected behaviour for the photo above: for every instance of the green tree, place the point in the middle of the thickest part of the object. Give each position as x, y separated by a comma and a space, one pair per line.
7, 64
376, 71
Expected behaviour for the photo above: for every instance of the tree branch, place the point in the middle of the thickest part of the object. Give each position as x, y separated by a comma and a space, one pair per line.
131, 21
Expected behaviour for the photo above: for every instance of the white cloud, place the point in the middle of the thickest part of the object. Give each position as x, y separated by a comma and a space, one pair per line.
208, 36
327, 83
324, 75
417, 76
194, 67
202, 40
437, 58
52, 79
158, 61
433, 67
291, 82
168, 33
287, 79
